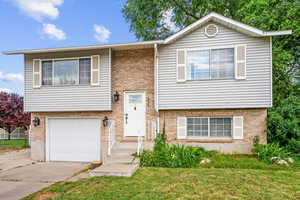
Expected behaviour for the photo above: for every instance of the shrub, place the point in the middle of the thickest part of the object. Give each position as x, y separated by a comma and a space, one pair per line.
160, 142
284, 124
266, 152
171, 155
293, 146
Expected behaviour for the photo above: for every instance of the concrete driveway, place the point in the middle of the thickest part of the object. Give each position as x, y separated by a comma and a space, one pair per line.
21, 181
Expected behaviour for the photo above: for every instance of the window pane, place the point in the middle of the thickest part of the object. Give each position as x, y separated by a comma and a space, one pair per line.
46, 72
222, 63
66, 72
198, 65
197, 126
221, 127
84, 71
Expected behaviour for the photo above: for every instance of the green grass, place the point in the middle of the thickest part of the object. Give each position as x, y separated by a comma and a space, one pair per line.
226, 177
243, 162
13, 144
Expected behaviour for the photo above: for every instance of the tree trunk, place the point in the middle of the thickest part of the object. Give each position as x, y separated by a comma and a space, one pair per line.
9, 132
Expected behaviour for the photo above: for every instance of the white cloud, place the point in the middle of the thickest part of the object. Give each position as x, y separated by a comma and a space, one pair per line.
5, 90
53, 32
102, 34
11, 77
167, 20
39, 9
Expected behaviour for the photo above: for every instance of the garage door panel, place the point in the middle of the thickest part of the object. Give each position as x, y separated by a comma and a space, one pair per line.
74, 140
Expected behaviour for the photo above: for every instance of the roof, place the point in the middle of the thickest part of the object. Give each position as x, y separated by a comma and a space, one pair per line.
119, 46
244, 28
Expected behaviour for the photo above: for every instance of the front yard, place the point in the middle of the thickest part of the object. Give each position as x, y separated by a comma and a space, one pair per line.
226, 177
12, 145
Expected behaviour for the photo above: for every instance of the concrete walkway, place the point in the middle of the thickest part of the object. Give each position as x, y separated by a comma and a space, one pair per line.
19, 179
10, 160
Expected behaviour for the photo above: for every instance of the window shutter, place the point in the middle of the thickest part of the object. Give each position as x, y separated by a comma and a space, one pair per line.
238, 127
181, 65
95, 70
37, 71
181, 127
240, 62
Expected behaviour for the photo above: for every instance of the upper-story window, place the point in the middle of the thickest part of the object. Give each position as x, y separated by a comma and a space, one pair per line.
210, 64
66, 72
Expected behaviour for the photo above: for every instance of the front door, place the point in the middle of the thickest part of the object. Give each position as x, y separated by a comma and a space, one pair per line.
134, 114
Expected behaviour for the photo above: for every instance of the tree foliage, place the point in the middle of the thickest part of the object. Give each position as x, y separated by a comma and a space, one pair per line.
146, 17
157, 19
11, 112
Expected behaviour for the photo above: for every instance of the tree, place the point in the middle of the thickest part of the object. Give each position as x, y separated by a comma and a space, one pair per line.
11, 113
150, 19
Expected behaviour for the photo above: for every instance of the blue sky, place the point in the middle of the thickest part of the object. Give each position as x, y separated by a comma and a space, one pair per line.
34, 24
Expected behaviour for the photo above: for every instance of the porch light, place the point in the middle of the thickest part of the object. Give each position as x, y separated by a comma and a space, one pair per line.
36, 121
105, 121
116, 96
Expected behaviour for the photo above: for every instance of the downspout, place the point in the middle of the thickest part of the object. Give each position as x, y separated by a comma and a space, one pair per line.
156, 76
156, 103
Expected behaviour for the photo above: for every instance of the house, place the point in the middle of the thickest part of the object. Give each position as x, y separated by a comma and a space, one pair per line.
209, 84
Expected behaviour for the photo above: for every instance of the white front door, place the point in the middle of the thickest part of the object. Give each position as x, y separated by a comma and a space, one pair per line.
134, 113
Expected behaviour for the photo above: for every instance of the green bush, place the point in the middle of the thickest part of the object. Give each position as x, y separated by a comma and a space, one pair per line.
266, 152
293, 146
171, 155
284, 124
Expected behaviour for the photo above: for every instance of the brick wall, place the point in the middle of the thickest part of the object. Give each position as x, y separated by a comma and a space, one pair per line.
254, 125
133, 70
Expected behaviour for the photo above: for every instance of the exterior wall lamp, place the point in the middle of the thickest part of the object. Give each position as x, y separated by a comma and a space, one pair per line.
116, 96
105, 121
36, 121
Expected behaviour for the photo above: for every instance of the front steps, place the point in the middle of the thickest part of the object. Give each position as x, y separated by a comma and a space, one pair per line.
115, 169
120, 162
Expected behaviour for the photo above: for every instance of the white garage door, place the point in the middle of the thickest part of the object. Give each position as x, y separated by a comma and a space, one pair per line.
73, 139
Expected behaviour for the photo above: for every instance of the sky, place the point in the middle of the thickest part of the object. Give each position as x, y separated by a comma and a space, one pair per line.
35, 24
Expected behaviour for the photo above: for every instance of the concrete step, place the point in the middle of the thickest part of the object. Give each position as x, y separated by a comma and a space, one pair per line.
120, 159
126, 145
115, 169
122, 152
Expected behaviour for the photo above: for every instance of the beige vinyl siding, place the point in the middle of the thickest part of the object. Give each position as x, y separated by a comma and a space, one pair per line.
68, 98
253, 92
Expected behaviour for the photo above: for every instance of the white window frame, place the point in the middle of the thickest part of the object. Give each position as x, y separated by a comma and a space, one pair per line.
212, 48
208, 121
61, 59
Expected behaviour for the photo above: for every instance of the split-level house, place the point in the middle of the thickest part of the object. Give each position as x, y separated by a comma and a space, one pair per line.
209, 84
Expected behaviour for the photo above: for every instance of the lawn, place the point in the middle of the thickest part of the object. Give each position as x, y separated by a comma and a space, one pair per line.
226, 177
13, 144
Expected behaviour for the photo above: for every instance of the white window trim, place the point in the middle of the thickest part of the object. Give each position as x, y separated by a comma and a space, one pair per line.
211, 48
61, 59
209, 137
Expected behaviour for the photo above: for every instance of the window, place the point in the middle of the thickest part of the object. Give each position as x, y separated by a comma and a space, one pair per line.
135, 99
47, 73
66, 72
85, 71
210, 64
209, 127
